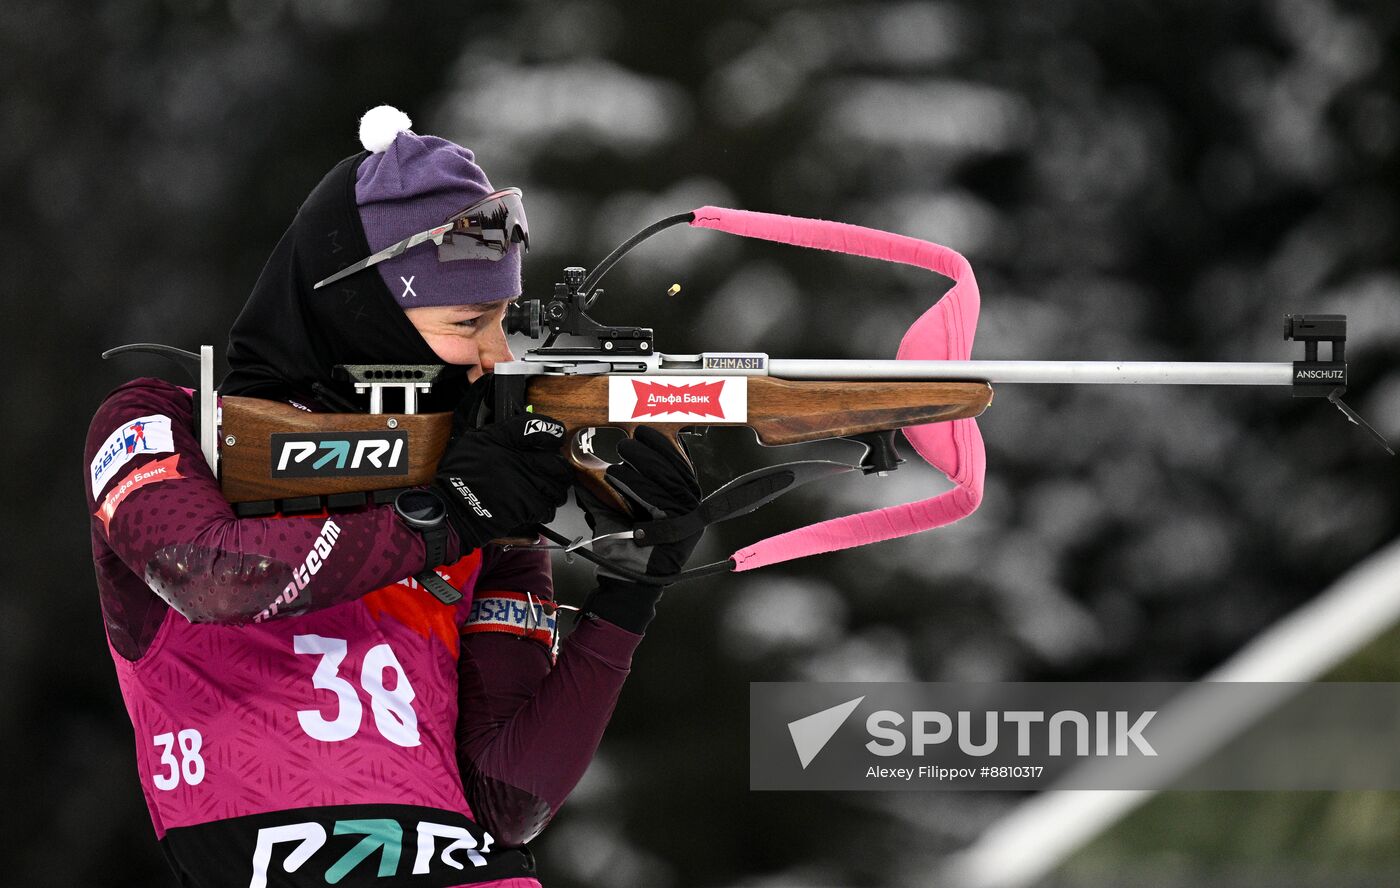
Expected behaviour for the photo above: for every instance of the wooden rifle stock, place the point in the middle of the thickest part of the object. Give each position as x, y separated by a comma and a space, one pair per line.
253, 463
340, 452
780, 411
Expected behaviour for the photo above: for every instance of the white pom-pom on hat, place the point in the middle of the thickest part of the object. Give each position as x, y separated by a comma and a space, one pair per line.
380, 125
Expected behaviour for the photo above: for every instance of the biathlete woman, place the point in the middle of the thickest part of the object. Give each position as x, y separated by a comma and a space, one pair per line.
305, 713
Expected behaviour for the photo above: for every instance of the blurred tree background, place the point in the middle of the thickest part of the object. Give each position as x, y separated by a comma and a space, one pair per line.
1132, 180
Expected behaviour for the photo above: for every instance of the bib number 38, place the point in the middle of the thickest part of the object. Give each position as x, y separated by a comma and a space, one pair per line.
190, 764
392, 709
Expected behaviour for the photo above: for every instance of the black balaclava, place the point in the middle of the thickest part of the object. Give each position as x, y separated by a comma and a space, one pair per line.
290, 336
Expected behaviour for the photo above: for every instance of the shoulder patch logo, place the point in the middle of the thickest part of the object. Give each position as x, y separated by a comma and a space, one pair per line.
151, 473
146, 434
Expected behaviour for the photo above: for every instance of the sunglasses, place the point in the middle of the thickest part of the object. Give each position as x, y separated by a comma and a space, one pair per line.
484, 230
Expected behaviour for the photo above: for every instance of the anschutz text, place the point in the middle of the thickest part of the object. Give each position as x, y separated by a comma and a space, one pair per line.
1320, 374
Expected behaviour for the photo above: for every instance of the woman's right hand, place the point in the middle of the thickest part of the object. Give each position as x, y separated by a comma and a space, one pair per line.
503, 477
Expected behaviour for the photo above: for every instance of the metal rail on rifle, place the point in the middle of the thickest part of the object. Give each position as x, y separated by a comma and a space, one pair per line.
623, 350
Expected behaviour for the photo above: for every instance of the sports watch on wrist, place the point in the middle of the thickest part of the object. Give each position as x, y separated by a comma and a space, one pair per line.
424, 511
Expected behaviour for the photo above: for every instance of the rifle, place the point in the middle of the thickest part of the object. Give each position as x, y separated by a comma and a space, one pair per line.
272, 457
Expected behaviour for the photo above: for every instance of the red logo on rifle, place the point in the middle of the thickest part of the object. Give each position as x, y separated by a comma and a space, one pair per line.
656, 398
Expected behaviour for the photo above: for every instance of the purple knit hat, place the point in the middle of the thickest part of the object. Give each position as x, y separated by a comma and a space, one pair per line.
411, 183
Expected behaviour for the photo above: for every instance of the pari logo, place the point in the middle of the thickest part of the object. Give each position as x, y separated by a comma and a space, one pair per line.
345, 454
687, 399
383, 855
980, 733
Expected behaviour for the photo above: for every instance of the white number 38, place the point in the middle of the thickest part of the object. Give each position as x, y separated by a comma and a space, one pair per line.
190, 765
392, 709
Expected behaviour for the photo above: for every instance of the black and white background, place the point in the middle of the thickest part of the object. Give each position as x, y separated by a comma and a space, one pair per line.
1131, 180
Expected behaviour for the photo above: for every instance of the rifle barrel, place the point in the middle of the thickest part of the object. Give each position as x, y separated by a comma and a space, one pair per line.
1063, 372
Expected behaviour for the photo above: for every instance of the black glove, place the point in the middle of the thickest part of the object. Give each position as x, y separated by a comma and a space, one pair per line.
659, 483
503, 477
474, 409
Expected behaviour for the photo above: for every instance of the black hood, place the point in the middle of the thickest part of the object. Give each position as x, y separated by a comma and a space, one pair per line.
290, 336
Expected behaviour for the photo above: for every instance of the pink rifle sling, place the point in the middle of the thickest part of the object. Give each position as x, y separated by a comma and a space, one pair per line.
944, 332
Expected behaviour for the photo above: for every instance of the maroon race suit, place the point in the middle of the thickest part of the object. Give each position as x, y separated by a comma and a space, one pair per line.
304, 713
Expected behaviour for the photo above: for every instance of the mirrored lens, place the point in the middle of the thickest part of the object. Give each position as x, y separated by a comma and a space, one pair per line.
487, 228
